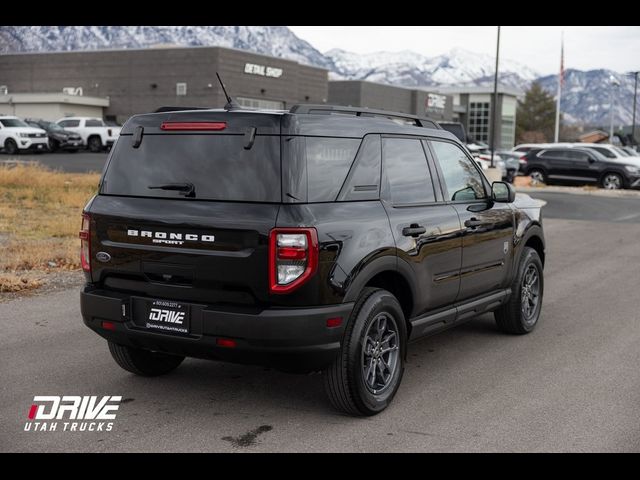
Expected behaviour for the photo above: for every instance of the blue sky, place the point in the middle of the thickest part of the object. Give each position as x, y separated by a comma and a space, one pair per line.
586, 48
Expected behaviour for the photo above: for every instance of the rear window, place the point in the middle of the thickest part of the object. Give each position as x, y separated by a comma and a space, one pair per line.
218, 167
94, 123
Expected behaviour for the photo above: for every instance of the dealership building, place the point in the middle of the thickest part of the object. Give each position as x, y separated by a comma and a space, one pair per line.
141, 80
116, 84
472, 108
359, 93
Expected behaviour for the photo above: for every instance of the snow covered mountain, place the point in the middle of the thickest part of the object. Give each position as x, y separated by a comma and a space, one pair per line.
585, 97
458, 67
275, 41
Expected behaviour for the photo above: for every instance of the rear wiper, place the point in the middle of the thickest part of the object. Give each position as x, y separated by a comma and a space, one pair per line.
186, 189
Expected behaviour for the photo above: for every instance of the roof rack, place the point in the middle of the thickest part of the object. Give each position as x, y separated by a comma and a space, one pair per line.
363, 112
179, 109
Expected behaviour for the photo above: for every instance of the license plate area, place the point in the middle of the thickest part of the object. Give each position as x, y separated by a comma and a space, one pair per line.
164, 316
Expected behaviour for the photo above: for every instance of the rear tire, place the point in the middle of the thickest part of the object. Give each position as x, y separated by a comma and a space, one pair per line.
365, 376
11, 147
537, 176
521, 313
94, 144
144, 362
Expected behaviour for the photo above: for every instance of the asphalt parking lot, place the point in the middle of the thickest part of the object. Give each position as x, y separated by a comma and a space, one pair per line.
572, 385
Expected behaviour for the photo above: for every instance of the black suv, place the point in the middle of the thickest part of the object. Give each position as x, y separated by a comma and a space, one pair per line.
59, 138
581, 165
320, 238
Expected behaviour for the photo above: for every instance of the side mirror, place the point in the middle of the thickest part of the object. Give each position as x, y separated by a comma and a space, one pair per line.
503, 192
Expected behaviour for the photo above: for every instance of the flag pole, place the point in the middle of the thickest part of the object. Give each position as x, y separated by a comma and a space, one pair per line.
560, 80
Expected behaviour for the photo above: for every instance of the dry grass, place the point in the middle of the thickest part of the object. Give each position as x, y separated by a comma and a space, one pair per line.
39, 221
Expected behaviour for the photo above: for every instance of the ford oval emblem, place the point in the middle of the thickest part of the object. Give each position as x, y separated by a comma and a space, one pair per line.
103, 256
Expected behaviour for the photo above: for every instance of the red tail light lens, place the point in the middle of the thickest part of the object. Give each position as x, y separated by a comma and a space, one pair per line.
293, 258
173, 126
85, 243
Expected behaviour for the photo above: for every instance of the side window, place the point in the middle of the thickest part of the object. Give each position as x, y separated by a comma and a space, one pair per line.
407, 171
94, 123
363, 182
69, 123
578, 156
606, 152
461, 177
63, 123
328, 162
552, 154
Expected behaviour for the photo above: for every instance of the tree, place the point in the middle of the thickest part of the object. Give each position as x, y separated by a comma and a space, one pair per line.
536, 116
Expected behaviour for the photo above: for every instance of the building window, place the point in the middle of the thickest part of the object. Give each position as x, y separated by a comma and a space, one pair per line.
181, 89
260, 103
479, 115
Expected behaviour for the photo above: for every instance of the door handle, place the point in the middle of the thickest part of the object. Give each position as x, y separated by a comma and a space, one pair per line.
473, 222
414, 230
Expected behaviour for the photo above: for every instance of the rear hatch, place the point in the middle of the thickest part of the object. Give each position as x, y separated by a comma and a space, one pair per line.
185, 207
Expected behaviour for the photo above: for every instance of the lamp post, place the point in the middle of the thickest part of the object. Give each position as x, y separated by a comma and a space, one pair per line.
635, 95
614, 83
495, 100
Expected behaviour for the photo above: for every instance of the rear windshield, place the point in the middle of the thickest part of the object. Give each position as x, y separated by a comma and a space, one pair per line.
217, 166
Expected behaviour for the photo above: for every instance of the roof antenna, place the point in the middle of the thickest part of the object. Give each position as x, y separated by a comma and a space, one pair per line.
231, 103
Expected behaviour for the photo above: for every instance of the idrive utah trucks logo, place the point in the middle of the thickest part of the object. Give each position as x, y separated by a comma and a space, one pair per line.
71, 413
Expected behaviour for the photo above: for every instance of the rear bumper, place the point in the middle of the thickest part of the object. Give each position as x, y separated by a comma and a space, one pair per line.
295, 339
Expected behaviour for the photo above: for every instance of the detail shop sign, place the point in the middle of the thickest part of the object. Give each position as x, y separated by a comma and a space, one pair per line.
255, 69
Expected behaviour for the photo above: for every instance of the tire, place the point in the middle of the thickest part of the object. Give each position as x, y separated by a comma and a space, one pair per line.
348, 387
512, 317
612, 181
94, 144
143, 362
11, 147
537, 176
53, 145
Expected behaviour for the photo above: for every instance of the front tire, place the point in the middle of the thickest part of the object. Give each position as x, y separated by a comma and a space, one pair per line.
365, 377
612, 181
144, 362
11, 147
521, 313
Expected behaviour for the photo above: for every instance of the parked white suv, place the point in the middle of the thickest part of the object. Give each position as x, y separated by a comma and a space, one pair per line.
610, 151
16, 136
95, 134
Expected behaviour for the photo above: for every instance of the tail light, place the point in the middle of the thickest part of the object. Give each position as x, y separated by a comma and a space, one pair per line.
293, 258
85, 243
523, 159
109, 132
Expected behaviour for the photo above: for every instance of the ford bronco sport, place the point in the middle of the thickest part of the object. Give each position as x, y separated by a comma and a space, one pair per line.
316, 239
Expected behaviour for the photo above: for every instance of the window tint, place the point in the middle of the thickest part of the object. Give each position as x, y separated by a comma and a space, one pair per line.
605, 151
94, 123
70, 123
462, 179
582, 156
407, 171
363, 182
13, 122
218, 166
328, 162
553, 154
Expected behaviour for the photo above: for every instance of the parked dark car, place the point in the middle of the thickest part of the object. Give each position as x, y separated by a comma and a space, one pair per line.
581, 165
59, 138
315, 239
